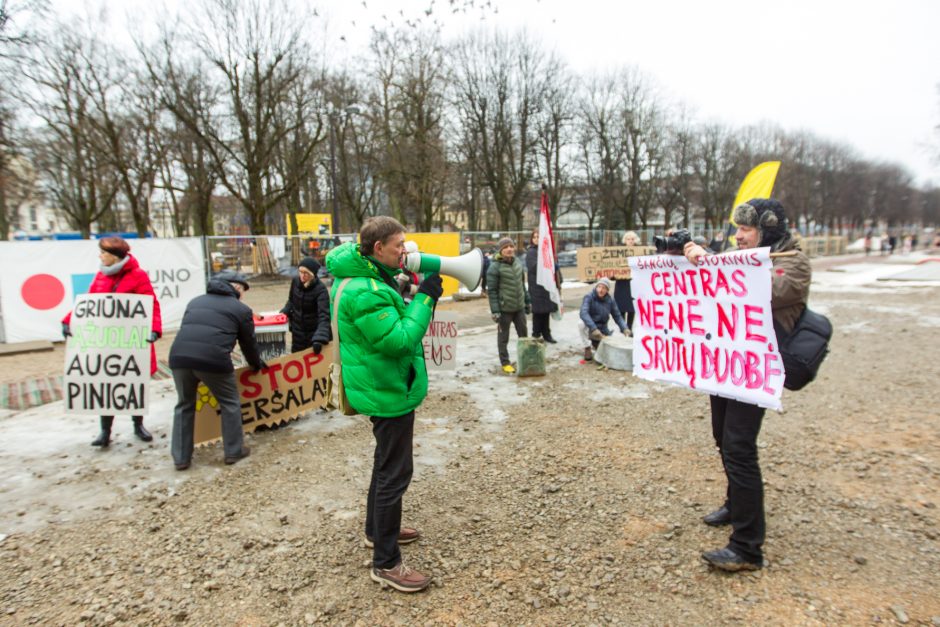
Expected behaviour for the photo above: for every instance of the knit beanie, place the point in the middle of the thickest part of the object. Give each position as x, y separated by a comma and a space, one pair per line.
503, 243
768, 217
310, 264
603, 281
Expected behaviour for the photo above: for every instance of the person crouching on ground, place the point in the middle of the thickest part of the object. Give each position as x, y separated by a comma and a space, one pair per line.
308, 309
735, 424
597, 308
121, 274
385, 377
509, 300
202, 351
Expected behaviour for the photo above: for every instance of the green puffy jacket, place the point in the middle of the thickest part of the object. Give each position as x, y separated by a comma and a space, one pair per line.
379, 337
505, 284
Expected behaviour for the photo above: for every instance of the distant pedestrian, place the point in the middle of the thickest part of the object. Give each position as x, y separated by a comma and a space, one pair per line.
509, 301
542, 304
202, 351
308, 309
121, 274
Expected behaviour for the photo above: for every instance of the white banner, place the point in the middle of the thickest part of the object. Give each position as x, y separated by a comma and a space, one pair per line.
709, 328
40, 280
107, 358
440, 342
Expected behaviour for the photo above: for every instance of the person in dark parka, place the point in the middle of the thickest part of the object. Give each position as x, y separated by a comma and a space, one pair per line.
542, 304
308, 309
202, 351
623, 295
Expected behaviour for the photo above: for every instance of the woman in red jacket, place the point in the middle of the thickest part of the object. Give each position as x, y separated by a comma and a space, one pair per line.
121, 274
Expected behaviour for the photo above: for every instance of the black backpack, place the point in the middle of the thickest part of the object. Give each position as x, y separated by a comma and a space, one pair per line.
804, 348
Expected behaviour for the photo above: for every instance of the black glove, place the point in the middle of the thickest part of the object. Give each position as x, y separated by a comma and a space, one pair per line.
262, 365
317, 347
432, 286
66, 331
154, 336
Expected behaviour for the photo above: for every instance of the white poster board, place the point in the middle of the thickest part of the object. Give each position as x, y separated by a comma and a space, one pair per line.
107, 357
440, 342
40, 280
708, 327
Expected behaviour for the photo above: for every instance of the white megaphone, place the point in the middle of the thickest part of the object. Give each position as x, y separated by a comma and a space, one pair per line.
468, 268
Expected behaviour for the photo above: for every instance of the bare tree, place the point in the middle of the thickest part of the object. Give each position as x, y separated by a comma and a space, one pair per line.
554, 131
66, 150
499, 86
256, 51
409, 104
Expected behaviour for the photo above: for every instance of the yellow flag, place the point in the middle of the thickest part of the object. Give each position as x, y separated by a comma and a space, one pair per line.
757, 184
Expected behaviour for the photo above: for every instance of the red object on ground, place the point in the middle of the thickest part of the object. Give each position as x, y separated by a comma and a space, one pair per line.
270, 320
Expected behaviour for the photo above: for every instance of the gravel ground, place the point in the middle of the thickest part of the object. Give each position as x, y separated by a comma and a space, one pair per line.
573, 498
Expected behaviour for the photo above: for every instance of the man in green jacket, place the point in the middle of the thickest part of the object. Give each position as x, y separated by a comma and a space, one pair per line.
384, 377
509, 300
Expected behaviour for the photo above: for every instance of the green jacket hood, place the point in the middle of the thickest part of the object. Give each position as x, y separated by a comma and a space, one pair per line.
346, 261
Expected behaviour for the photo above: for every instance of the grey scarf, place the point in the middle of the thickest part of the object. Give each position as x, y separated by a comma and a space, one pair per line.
114, 268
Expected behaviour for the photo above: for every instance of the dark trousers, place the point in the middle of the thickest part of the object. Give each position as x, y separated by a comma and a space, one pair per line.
516, 318
540, 325
391, 476
630, 316
735, 426
225, 390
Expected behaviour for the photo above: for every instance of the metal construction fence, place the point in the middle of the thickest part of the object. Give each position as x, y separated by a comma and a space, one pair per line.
280, 254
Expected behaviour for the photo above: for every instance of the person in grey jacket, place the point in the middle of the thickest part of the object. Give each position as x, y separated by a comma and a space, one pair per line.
509, 300
596, 309
202, 351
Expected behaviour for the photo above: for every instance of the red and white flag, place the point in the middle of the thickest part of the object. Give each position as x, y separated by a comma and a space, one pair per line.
545, 272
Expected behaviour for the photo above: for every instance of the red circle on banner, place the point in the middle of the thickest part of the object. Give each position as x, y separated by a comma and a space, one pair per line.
42, 291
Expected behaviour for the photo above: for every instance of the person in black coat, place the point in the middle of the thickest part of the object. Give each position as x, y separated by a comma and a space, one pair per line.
542, 304
623, 295
202, 352
308, 309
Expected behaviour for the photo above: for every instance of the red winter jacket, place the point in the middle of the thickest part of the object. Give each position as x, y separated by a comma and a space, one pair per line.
130, 280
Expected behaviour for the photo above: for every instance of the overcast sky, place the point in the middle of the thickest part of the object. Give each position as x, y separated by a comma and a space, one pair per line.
863, 72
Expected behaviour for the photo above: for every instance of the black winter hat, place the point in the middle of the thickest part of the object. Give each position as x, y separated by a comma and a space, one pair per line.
233, 277
310, 264
767, 216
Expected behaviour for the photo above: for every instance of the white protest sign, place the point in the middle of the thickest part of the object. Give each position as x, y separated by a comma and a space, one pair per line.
708, 327
440, 342
107, 358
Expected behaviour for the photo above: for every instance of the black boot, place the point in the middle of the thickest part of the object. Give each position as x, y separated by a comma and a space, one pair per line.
139, 430
104, 438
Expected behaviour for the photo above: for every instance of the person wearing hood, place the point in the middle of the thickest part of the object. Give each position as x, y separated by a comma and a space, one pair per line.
308, 309
510, 302
597, 307
736, 424
121, 274
385, 378
202, 352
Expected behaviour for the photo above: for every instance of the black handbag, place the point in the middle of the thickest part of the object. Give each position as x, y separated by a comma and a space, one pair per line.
804, 348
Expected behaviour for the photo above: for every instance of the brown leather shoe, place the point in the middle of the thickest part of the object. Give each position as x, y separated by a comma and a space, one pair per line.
401, 578
405, 536
245, 452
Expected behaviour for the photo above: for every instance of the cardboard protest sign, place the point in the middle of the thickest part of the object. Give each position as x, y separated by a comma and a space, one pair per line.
107, 358
292, 384
708, 327
440, 342
609, 261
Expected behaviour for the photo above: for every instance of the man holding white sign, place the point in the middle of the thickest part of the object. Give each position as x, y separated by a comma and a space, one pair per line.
736, 423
